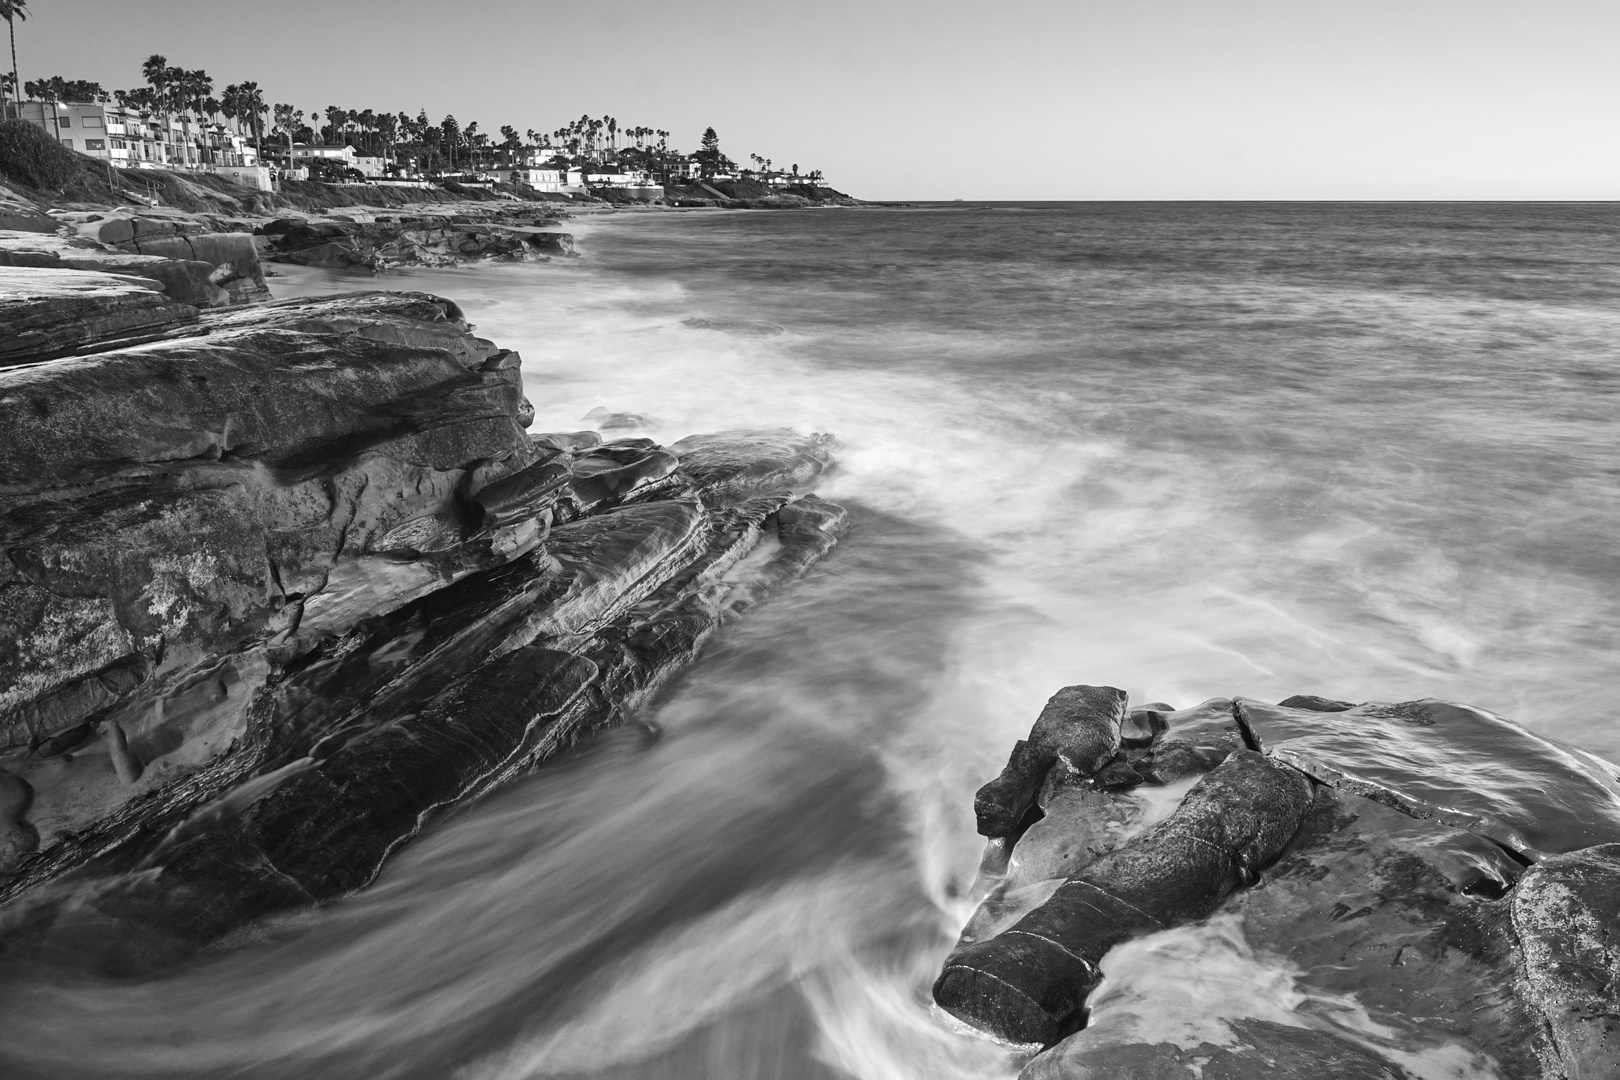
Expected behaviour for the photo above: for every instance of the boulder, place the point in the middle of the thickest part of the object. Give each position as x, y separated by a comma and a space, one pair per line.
232, 258
1429, 910
1029, 983
606, 420
1079, 726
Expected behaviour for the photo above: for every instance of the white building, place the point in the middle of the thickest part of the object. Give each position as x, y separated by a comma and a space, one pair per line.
305, 151
553, 180
127, 137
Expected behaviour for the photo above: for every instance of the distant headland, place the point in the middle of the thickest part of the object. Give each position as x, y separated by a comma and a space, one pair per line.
122, 141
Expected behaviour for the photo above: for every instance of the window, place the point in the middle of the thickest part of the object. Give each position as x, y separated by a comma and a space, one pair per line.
120, 144
64, 121
90, 121
95, 144
68, 143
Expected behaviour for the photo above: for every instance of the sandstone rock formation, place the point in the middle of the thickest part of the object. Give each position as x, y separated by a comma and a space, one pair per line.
194, 263
1441, 894
52, 313
283, 580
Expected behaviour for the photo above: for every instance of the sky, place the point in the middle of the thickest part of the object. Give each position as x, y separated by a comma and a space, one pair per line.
946, 99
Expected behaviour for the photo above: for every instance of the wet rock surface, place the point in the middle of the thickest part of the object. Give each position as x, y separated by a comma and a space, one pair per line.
1079, 727
1566, 911
1379, 890
1028, 983
1452, 763
285, 579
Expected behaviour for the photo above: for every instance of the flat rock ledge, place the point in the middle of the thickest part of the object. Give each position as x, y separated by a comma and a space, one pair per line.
206, 265
278, 582
1435, 889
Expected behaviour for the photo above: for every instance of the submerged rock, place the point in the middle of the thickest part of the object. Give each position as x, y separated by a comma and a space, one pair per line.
1192, 741
731, 466
1452, 763
1251, 1048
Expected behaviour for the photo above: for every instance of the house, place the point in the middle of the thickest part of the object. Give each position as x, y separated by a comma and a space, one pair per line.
548, 179
370, 165
344, 155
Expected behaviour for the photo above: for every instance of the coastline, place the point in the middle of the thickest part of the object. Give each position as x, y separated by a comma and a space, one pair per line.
1324, 845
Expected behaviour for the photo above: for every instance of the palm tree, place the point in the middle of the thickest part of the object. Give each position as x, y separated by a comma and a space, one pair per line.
452, 137
174, 82
253, 104
11, 11
194, 88
286, 119
156, 72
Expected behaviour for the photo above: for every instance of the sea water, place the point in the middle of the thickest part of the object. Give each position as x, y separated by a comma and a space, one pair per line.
1361, 451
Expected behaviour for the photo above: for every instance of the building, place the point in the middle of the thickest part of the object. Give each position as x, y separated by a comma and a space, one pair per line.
253, 176
343, 154
549, 179
127, 137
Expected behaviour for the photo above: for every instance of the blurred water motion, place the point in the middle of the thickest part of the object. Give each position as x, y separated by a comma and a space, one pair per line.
1356, 451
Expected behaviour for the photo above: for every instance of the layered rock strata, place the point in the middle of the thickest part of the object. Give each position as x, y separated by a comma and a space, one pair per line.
1442, 891
194, 262
286, 579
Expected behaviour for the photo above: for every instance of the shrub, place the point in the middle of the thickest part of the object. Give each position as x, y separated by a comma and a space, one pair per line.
30, 156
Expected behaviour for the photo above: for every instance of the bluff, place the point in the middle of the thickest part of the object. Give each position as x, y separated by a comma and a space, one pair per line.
279, 581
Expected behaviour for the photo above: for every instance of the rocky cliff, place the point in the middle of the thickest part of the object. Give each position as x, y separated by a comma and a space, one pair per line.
279, 581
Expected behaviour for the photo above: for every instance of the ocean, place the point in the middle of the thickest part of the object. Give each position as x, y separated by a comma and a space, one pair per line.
1364, 451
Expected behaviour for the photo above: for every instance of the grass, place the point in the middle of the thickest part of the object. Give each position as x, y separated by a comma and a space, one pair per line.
31, 158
